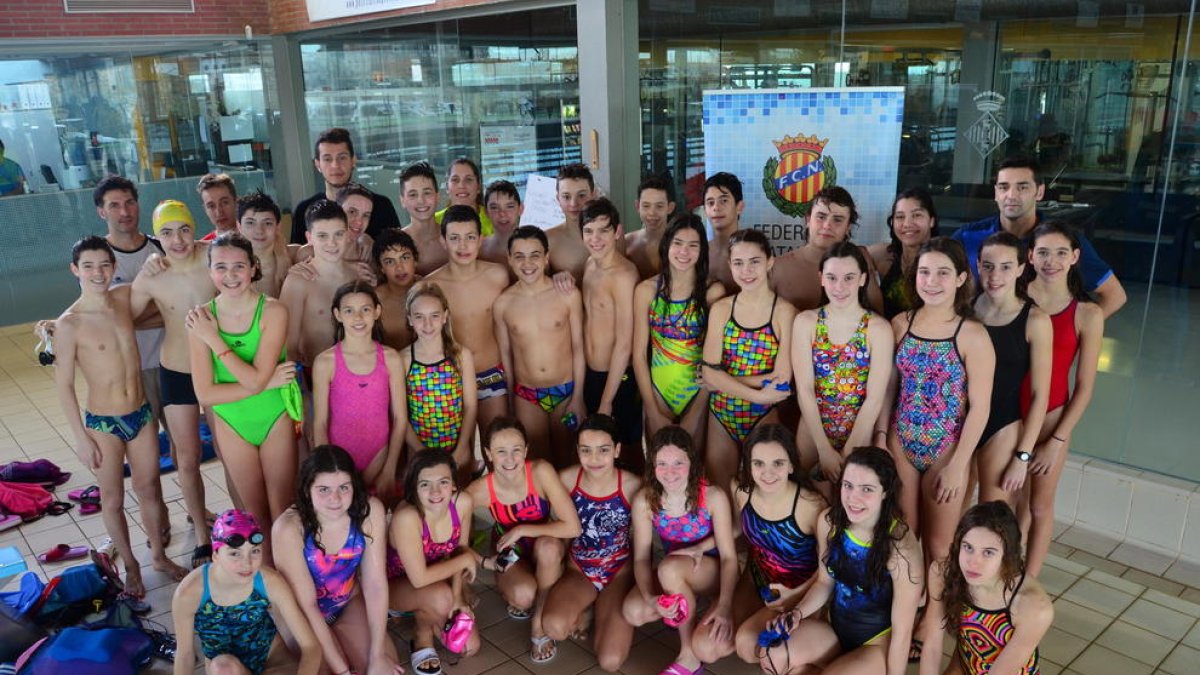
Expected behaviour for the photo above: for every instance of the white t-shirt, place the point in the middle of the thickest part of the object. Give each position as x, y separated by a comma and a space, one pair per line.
129, 263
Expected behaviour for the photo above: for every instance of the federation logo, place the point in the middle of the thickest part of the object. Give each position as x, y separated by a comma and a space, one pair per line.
792, 180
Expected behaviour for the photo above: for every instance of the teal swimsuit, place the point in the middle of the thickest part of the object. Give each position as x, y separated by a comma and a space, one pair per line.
244, 631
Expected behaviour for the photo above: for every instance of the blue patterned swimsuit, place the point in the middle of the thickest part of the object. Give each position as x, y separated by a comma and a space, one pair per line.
780, 552
244, 631
602, 547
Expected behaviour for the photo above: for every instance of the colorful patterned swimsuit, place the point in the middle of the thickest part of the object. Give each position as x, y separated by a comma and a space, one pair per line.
676, 349
335, 574
932, 403
780, 552
983, 634
435, 402
602, 547
435, 551
534, 509
676, 532
744, 352
244, 631
840, 378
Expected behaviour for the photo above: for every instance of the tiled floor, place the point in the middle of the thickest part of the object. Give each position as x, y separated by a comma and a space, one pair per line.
1109, 618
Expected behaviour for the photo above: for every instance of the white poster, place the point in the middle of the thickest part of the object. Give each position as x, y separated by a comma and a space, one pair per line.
787, 144
320, 10
541, 204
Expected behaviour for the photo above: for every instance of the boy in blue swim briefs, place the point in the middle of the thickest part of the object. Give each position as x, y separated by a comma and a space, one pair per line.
96, 333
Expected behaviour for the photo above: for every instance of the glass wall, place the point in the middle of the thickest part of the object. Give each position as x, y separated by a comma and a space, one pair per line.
158, 116
1100, 93
503, 90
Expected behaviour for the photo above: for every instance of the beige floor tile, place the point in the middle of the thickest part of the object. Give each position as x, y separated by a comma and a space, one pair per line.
1192, 639
1060, 550
648, 657
1154, 582
1183, 661
733, 666
1158, 619
1185, 573
1125, 638
1119, 583
505, 668
1067, 565
1190, 594
1056, 581
511, 637
1103, 599
1060, 646
1098, 660
1078, 620
1097, 563
1046, 667
1178, 604
1140, 558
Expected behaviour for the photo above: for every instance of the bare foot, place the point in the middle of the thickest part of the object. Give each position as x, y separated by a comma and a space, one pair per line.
582, 626
168, 567
133, 581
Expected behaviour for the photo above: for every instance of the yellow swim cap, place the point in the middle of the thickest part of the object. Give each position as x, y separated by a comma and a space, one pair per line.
171, 211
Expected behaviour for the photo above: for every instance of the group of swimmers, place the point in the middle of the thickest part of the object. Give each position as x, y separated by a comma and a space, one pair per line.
385, 353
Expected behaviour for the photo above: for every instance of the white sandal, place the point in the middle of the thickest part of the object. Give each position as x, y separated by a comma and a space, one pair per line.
425, 656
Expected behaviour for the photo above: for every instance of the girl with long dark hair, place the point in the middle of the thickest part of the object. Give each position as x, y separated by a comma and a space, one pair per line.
331, 547
871, 577
944, 367
778, 507
984, 596
1078, 329
1021, 338
358, 390
913, 221
670, 322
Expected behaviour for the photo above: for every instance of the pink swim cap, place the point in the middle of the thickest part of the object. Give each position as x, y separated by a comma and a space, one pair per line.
235, 527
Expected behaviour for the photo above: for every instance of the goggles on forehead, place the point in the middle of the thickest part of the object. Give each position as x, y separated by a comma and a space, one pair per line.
239, 540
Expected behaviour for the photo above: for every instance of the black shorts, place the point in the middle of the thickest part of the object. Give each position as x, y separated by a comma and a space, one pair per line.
175, 387
626, 408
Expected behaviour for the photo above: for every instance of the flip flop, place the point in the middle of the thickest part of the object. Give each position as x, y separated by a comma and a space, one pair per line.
88, 508
8, 522
59, 508
518, 614
87, 495
108, 570
425, 656
63, 552
540, 643
201, 554
678, 668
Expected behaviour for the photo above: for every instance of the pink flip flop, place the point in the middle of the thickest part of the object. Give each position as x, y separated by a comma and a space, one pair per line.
63, 552
677, 668
8, 522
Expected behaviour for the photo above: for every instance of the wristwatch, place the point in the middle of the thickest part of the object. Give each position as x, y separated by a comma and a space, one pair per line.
1023, 456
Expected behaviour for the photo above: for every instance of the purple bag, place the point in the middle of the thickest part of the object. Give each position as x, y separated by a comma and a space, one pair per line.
103, 651
41, 471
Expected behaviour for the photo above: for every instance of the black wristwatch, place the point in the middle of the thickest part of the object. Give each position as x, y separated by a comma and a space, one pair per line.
1023, 456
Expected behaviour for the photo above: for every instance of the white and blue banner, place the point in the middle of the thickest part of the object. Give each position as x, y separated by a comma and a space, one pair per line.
786, 144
